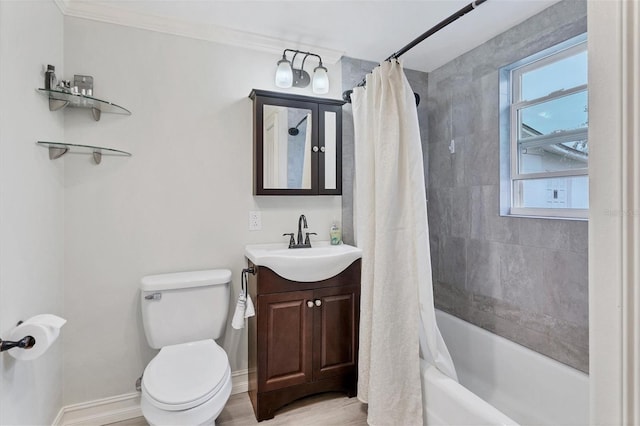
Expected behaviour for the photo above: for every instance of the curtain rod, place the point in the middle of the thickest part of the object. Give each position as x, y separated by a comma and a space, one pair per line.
454, 17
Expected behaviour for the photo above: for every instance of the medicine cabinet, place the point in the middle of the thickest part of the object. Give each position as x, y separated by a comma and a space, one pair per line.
297, 144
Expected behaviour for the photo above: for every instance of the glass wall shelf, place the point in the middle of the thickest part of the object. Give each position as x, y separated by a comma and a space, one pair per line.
59, 99
58, 149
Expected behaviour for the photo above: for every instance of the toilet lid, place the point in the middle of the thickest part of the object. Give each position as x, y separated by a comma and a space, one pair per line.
186, 375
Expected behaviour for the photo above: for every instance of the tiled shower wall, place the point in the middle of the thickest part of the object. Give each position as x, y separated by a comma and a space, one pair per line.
521, 278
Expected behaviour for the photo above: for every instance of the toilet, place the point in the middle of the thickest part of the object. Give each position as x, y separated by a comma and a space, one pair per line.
189, 381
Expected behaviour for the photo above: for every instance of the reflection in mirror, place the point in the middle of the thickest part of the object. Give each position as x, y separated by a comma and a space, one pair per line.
287, 147
330, 150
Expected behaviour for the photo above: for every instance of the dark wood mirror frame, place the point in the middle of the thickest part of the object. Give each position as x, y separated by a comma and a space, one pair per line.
318, 107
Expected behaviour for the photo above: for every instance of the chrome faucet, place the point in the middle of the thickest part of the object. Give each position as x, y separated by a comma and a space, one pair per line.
302, 242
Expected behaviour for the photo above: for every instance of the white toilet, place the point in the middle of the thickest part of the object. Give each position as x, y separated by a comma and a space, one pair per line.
189, 381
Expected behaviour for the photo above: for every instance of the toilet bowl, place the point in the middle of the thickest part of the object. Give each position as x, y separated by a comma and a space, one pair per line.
186, 384
189, 381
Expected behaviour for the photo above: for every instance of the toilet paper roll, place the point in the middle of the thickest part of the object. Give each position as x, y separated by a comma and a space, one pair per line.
44, 328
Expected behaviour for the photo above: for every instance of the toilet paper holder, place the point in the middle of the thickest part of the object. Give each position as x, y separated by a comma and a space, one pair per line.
26, 342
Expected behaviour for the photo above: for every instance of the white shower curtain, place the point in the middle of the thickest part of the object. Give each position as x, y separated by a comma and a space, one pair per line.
397, 318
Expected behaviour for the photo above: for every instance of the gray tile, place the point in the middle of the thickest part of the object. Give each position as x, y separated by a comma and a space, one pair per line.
441, 166
508, 329
486, 118
434, 250
547, 233
564, 342
451, 299
439, 116
483, 268
452, 261
353, 70
482, 158
439, 211
486, 222
521, 276
466, 104
566, 286
579, 236
458, 163
568, 351
460, 212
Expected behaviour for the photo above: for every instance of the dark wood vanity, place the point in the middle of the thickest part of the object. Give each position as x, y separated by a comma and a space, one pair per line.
303, 339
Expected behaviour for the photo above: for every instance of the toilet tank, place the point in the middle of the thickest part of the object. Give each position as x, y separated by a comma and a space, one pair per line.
184, 307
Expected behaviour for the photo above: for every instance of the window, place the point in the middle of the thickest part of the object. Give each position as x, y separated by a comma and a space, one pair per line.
548, 125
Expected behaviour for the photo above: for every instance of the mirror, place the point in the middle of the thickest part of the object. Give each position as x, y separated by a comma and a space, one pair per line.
286, 147
297, 144
330, 159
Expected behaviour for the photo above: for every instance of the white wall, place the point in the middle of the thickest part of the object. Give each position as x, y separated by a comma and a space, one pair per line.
31, 206
181, 202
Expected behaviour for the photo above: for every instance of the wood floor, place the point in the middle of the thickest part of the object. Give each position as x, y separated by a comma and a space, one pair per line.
319, 410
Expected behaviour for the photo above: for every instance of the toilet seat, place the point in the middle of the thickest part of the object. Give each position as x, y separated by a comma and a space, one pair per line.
186, 375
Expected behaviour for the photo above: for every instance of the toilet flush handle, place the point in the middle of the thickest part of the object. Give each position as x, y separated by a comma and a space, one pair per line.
153, 296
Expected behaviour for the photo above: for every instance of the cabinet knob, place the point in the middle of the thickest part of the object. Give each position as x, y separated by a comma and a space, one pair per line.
315, 149
318, 302
310, 303
322, 149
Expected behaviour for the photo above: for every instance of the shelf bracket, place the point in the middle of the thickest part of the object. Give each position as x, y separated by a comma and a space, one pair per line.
97, 156
56, 152
95, 112
56, 104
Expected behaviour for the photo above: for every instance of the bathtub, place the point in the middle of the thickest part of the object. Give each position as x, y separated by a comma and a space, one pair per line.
501, 383
446, 402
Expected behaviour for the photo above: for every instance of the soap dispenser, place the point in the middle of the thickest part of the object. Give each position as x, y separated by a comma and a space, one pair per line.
335, 234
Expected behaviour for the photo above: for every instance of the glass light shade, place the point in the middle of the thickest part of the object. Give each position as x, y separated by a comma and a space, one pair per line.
284, 75
320, 80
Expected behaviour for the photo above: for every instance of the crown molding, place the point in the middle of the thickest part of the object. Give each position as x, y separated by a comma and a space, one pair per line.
62, 5
107, 13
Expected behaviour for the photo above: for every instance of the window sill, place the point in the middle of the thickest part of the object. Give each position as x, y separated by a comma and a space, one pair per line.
581, 215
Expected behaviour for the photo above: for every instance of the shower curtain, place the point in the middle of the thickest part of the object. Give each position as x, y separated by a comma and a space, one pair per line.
397, 317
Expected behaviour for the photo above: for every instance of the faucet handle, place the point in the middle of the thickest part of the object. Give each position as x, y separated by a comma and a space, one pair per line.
307, 242
292, 241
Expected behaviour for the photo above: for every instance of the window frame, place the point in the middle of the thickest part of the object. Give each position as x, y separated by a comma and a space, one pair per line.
513, 73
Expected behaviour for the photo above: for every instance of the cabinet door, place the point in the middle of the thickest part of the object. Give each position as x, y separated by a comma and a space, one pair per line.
284, 339
335, 331
330, 142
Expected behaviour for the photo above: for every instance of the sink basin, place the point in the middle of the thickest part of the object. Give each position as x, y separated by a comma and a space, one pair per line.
320, 262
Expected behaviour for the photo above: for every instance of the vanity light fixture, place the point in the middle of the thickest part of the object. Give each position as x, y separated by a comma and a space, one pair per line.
287, 76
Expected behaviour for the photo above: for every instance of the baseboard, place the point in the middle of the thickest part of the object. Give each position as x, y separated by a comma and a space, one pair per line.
101, 411
123, 407
240, 381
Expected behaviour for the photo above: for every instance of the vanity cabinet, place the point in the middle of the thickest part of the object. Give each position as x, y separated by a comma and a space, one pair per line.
303, 339
297, 144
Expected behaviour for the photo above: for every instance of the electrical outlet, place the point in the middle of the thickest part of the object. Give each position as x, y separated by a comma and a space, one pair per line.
255, 221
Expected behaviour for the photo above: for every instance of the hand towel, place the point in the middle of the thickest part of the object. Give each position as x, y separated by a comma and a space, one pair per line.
249, 309
239, 315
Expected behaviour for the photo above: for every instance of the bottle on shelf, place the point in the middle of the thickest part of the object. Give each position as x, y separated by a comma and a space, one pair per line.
50, 80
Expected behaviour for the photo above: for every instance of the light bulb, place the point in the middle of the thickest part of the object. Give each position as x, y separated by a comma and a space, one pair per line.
320, 80
284, 74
